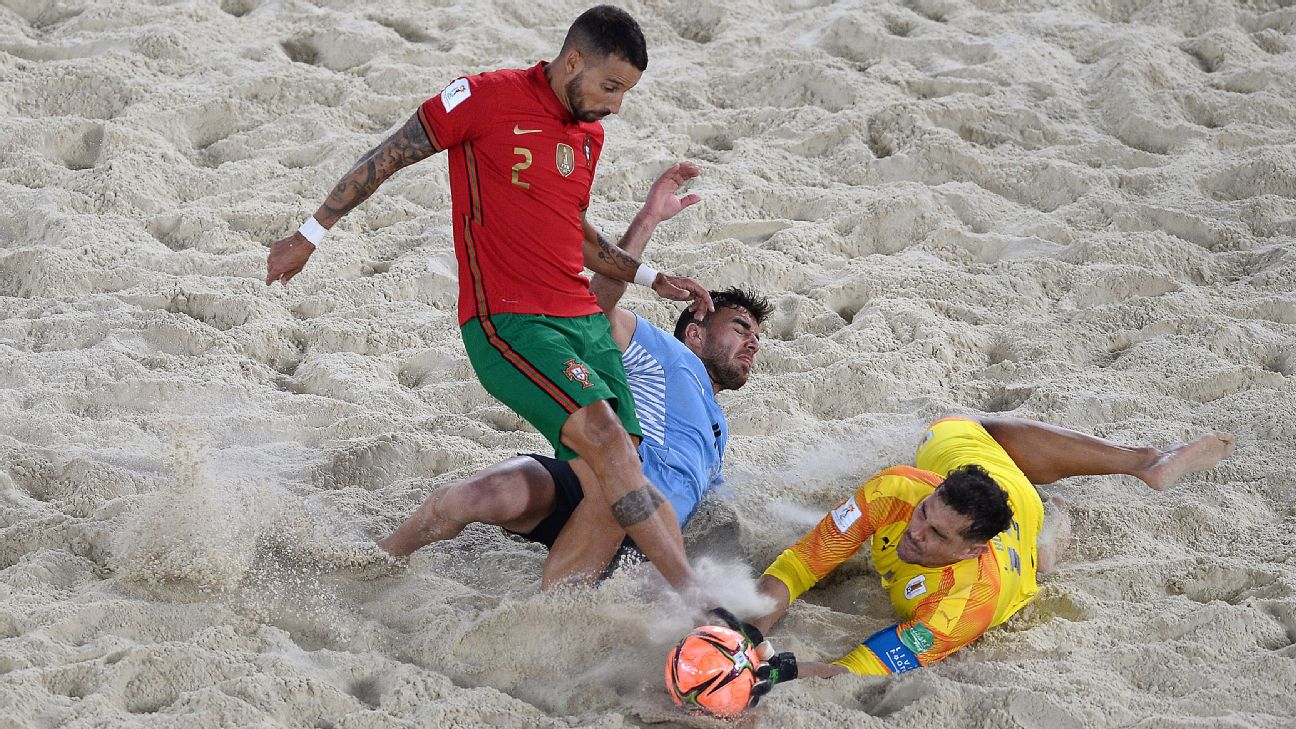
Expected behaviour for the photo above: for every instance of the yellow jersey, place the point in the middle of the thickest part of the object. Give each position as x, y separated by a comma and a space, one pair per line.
941, 609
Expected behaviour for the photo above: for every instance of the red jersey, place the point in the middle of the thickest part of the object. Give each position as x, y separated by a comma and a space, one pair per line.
520, 173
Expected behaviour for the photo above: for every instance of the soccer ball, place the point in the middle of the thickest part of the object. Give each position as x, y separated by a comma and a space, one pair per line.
712, 670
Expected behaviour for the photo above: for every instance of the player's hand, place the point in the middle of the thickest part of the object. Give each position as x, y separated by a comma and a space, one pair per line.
287, 258
779, 669
775, 670
679, 288
662, 203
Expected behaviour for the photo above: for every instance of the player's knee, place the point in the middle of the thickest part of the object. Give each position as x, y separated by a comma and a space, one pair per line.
475, 500
609, 437
598, 431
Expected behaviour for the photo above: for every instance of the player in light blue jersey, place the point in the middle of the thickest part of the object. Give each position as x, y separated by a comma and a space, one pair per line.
674, 381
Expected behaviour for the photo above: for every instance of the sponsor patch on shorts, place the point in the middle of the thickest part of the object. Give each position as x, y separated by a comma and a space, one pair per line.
917, 638
846, 515
915, 587
455, 94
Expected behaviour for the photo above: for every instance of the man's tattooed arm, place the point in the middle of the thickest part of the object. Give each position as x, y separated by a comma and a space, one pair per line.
637, 506
408, 145
609, 289
616, 256
602, 257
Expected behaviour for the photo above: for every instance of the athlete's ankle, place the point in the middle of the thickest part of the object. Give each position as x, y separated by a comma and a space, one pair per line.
1147, 458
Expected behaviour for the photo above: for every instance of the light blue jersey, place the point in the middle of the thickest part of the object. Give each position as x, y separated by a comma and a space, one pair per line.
684, 430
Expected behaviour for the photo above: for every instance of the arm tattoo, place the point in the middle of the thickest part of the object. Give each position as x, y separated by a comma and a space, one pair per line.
407, 146
637, 505
616, 256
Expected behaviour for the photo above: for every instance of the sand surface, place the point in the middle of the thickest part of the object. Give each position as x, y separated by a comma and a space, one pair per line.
1081, 214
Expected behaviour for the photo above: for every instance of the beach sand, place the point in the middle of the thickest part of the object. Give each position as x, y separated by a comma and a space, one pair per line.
1080, 214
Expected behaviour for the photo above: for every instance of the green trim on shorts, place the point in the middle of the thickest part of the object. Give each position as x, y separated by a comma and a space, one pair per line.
545, 368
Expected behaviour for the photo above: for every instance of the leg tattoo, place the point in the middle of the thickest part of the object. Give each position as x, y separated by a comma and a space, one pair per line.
637, 505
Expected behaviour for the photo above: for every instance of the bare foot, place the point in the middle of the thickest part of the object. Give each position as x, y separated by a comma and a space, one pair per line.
1055, 538
1185, 458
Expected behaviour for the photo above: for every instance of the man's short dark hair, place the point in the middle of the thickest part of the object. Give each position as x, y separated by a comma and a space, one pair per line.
603, 31
972, 492
731, 298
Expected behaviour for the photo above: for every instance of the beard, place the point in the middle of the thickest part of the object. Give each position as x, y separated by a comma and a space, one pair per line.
726, 373
576, 100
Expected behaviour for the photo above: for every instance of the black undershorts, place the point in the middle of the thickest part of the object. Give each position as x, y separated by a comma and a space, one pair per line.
567, 496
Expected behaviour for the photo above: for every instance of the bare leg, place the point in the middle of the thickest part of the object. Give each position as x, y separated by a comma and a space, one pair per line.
589, 540
1046, 453
515, 494
596, 434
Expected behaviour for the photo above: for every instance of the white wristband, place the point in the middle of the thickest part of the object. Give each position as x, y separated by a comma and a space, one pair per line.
312, 231
646, 275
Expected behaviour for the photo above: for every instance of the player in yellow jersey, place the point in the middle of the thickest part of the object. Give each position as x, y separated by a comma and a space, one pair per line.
960, 539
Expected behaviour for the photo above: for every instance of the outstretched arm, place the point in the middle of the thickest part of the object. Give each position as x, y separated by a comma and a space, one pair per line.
661, 205
408, 145
836, 538
608, 289
618, 265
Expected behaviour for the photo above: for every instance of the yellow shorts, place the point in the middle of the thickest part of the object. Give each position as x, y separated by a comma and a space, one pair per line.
953, 442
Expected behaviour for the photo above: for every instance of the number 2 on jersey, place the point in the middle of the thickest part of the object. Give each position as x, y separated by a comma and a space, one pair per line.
525, 163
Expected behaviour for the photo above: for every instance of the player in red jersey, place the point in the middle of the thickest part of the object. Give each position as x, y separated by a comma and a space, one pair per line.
523, 146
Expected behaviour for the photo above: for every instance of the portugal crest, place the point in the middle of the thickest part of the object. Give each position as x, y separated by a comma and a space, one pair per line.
565, 159
577, 372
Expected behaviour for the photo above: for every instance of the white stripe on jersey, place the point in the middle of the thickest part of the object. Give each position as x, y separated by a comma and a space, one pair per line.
647, 382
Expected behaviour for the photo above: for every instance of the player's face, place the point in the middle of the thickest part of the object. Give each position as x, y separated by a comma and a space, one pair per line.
934, 537
730, 339
598, 87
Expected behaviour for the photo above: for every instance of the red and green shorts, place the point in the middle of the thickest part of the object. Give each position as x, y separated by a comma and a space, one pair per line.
547, 367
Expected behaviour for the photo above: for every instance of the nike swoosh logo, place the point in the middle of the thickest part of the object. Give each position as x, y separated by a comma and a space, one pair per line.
519, 130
